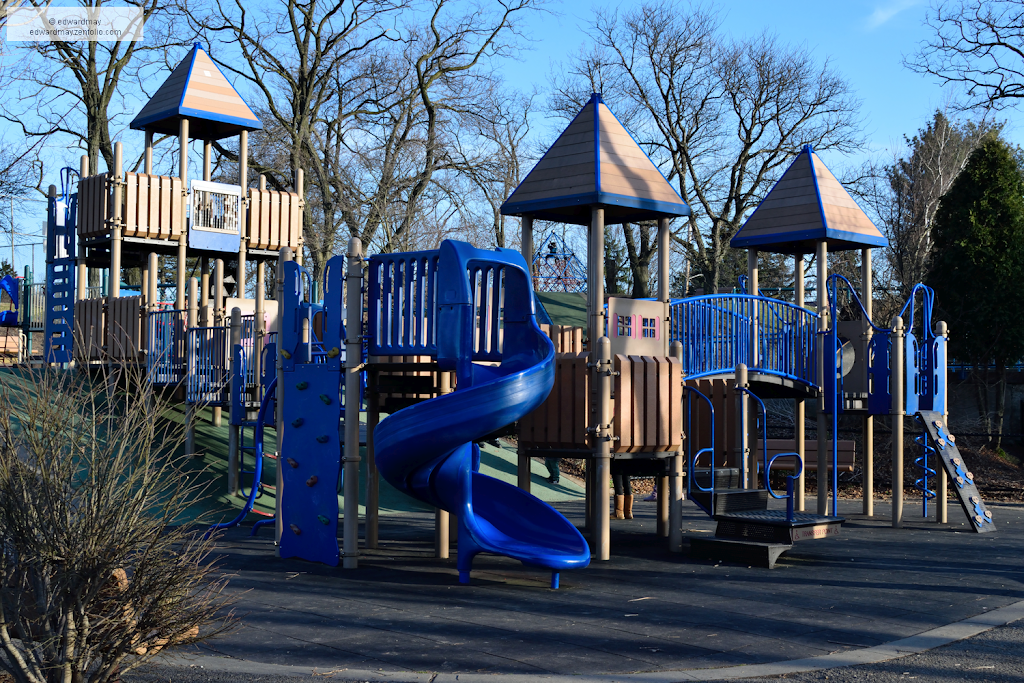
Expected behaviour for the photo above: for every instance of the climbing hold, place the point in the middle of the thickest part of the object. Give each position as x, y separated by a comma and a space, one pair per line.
285, 354
970, 475
295, 530
956, 461
333, 353
960, 482
974, 499
988, 514
323, 438
302, 386
312, 481
298, 422
326, 399
323, 520
292, 462
951, 438
937, 423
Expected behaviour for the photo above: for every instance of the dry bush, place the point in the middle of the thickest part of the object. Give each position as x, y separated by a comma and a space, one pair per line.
99, 570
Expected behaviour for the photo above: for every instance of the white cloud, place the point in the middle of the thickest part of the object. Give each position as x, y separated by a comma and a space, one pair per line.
883, 13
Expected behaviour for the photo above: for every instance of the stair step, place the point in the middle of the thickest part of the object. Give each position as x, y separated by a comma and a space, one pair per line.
771, 526
750, 553
733, 500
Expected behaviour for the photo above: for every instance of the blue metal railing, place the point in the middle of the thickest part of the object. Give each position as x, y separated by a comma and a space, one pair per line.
766, 462
921, 483
165, 335
402, 303
694, 456
208, 371
716, 332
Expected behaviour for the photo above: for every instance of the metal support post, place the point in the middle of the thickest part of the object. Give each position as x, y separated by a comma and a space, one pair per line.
179, 299
942, 483
190, 408
353, 365
284, 255
867, 299
742, 429
897, 411
675, 512
442, 521
234, 432
603, 453
800, 405
823, 322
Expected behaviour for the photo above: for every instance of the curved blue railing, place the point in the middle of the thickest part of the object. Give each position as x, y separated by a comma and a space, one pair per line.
268, 398
716, 332
691, 477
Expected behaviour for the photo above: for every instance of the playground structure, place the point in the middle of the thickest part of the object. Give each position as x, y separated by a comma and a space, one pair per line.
447, 344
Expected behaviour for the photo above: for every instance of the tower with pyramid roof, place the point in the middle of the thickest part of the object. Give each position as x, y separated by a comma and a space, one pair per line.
808, 211
596, 174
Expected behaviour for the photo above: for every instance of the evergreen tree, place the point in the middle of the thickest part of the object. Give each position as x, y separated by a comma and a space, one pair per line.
978, 268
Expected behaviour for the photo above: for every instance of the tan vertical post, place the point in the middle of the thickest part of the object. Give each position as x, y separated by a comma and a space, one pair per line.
154, 280
353, 362
261, 323
942, 509
207, 160
748, 473
218, 320
149, 152
179, 299
243, 218
300, 189
753, 287
115, 233
675, 513
233, 432
146, 301
823, 312
868, 475
372, 475
523, 465
204, 291
595, 330
665, 499
603, 452
896, 385
799, 405
190, 408
82, 277
284, 255
442, 519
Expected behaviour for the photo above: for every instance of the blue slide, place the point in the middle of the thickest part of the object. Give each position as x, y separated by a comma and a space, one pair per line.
427, 450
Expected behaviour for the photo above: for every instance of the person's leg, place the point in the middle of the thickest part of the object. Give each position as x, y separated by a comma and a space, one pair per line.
627, 502
554, 471
619, 485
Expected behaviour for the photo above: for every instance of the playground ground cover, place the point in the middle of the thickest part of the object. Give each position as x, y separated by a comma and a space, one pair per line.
646, 612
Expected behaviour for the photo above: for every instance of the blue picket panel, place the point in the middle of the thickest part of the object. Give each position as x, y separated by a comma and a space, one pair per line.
402, 296
208, 371
165, 339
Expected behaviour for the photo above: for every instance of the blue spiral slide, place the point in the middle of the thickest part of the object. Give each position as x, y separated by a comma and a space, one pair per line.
428, 449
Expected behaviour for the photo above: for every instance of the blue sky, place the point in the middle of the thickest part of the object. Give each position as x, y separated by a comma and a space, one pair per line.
865, 40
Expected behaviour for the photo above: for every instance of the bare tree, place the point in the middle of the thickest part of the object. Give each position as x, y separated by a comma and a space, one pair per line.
722, 117
905, 194
76, 80
978, 45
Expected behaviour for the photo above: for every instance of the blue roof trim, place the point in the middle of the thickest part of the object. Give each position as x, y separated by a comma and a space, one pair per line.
249, 124
637, 143
740, 231
781, 238
188, 76
595, 99
814, 177
592, 198
527, 176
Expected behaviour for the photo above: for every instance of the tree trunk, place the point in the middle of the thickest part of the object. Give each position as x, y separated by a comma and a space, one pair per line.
1000, 403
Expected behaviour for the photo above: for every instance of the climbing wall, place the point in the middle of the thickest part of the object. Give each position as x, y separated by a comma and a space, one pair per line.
311, 457
60, 279
961, 478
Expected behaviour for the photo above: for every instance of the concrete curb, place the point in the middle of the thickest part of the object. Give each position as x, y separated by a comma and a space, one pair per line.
936, 637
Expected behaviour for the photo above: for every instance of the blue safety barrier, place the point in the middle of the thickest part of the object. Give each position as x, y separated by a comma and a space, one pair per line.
716, 333
207, 361
165, 341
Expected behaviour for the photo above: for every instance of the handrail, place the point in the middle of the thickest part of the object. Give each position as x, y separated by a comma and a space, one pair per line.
691, 478
764, 429
716, 332
769, 462
258, 473
921, 483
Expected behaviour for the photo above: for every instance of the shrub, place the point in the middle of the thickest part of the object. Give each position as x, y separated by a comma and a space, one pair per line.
100, 572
